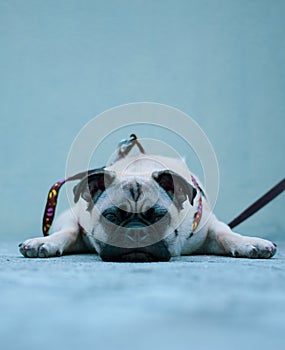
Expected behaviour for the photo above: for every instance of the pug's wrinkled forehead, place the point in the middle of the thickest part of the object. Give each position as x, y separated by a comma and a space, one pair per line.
133, 193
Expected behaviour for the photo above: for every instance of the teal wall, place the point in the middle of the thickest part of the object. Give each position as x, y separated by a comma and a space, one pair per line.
220, 61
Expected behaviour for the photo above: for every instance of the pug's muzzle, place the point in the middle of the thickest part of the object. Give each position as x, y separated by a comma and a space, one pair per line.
134, 230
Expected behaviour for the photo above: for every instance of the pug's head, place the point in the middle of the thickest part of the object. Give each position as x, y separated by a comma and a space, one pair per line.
130, 217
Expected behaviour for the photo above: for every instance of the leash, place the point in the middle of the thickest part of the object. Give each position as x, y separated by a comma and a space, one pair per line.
124, 147
259, 203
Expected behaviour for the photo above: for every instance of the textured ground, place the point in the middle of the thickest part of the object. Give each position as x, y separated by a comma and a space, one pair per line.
199, 302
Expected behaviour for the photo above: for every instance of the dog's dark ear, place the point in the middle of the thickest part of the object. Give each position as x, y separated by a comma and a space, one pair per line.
175, 186
91, 186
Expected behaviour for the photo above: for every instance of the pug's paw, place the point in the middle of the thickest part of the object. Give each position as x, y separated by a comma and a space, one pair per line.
255, 248
39, 248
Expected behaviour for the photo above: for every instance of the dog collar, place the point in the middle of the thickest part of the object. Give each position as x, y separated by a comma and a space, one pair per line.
198, 214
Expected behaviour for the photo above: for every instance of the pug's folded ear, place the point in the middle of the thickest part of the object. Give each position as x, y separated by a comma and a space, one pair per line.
93, 185
177, 188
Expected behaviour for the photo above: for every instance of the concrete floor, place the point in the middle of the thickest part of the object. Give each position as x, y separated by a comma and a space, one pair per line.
200, 302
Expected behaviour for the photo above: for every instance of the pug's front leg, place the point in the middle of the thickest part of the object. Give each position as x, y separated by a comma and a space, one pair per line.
222, 240
66, 239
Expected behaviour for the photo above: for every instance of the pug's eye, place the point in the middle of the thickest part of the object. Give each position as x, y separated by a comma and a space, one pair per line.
149, 214
154, 214
111, 216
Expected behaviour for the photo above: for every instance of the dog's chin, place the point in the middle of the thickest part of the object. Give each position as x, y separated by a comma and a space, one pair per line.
154, 253
136, 256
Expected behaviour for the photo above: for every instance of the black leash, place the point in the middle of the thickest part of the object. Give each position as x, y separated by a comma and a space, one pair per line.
260, 203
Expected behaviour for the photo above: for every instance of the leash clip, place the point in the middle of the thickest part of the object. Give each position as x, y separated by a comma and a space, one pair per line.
126, 145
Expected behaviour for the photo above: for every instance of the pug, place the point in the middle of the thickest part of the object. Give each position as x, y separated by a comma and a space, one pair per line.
143, 208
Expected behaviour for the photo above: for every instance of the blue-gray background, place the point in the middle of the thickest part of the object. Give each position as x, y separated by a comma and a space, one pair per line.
220, 61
